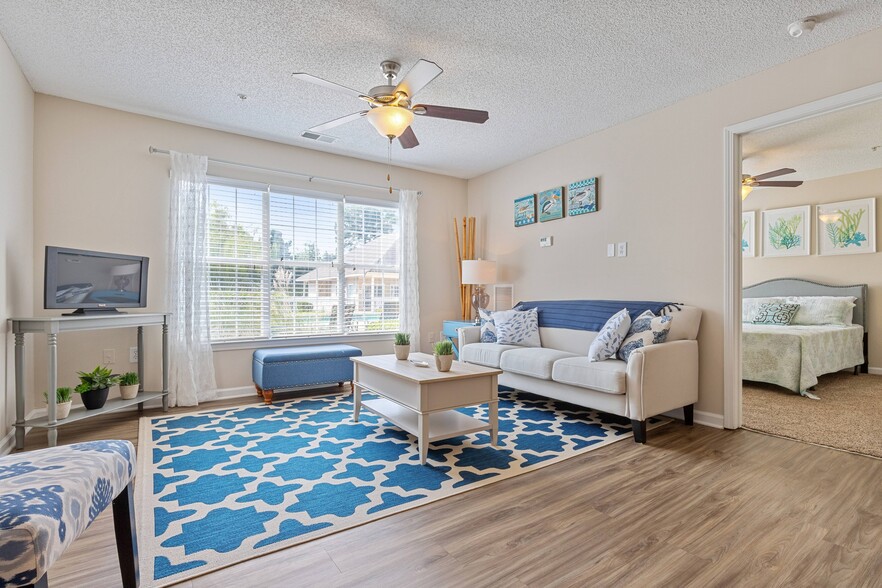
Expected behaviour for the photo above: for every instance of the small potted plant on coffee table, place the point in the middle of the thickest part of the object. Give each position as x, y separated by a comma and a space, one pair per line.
443, 355
62, 402
128, 385
402, 345
94, 386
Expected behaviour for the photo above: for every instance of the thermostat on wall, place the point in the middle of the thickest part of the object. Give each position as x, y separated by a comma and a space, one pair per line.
546, 241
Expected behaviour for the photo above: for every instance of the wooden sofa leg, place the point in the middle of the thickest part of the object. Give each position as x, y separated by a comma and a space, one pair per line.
639, 431
126, 537
259, 391
267, 396
688, 414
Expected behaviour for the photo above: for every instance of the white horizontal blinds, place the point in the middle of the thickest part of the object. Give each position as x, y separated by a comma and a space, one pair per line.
274, 267
237, 259
303, 256
371, 256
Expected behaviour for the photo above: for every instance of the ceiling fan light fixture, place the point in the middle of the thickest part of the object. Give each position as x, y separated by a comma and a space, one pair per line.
746, 189
390, 121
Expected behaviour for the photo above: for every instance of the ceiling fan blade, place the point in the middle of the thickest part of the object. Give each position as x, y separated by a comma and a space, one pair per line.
418, 77
450, 113
326, 84
337, 122
774, 174
785, 184
408, 139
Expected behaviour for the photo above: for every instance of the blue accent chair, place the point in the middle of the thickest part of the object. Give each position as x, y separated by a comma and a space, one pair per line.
49, 497
291, 367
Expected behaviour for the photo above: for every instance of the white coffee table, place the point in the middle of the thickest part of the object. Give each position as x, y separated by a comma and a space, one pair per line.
422, 400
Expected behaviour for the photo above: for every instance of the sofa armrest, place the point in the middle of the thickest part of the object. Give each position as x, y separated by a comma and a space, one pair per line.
468, 335
661, 378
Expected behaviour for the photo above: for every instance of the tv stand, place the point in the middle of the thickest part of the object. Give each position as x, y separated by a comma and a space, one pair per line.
51, 326
94, 311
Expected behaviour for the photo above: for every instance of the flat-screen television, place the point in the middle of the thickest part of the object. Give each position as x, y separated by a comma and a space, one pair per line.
93, 281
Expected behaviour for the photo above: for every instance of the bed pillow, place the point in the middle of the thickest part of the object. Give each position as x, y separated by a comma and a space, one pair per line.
518, 327
776, 313
823, 310
610, 337
647, 329
749, 306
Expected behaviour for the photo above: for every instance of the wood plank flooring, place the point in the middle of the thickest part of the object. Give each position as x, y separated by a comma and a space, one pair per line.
693, 507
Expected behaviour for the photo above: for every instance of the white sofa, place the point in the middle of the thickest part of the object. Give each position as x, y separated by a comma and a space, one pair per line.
654, 380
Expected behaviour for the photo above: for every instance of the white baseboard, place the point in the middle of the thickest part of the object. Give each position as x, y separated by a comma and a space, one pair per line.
875, 371
708, 419
7, 444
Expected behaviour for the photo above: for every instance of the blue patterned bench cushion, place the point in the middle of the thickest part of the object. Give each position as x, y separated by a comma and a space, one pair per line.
49, 497
289, 367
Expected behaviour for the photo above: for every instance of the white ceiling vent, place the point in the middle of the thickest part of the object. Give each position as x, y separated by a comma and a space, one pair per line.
319, 137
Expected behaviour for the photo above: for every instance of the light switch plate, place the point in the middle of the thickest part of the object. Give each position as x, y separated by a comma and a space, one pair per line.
611, 250
623, 249
546, 241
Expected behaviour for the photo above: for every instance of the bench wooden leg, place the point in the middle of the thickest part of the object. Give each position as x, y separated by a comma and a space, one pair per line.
267, 396
126, 538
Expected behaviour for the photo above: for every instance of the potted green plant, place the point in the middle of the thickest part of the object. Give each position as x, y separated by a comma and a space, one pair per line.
402, 345
63, 401
443, 355
128, 385
94, 386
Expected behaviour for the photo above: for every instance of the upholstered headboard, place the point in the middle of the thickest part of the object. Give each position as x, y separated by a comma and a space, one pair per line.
800, 287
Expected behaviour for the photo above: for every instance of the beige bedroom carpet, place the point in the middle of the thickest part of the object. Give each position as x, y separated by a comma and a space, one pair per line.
848, 416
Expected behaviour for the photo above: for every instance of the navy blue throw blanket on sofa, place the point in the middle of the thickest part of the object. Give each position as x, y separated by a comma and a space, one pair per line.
588, 315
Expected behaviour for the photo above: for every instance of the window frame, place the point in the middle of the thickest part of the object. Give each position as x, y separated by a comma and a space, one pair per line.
267, 263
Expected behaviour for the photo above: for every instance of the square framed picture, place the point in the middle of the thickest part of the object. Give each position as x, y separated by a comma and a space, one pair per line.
551, 204
846, 227
786, 231
525, 210
748, 234
582, 197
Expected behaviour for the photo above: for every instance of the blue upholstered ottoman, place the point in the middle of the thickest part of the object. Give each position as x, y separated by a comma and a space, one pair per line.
290, 367
49, 497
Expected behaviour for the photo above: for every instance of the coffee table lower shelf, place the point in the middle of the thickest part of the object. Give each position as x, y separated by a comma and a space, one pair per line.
442, 425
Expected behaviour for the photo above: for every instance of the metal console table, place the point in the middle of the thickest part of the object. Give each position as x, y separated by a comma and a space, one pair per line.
51, 326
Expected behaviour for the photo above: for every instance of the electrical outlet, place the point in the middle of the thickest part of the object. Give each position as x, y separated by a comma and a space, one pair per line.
611, 250
133, 355
109, 356
623, 249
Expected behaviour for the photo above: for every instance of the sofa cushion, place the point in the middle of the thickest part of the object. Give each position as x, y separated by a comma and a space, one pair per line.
486, 354
604, 376
519, 328
535, 361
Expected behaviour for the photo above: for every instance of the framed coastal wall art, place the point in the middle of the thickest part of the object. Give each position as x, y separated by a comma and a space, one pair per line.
846, 227
525, 210
748, 234
582, 197
551, 205
786, 231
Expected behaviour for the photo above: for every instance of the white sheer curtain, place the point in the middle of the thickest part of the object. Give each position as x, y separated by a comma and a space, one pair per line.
191, 374
409, 301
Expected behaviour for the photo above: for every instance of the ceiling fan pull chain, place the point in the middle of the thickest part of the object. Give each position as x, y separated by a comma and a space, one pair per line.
389, 171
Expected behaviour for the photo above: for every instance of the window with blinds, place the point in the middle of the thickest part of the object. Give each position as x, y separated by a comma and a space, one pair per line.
283, 264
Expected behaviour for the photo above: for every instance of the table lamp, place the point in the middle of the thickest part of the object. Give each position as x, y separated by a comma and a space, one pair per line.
479, 272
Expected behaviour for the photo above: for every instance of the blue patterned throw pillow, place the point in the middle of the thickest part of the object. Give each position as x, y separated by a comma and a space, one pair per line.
518, 327
775, 313
610, 337
647, 329
488, 323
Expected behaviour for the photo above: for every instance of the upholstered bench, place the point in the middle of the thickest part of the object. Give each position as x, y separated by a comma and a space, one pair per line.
49, 497
291, 367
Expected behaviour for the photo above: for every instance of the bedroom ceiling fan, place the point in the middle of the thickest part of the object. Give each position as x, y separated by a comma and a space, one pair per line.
391, 106
748, 182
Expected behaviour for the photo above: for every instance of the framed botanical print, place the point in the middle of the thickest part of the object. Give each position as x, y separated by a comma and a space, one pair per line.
748, 234
786, 231
846, 227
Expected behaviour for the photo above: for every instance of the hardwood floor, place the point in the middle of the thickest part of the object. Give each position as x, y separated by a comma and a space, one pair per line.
693, 507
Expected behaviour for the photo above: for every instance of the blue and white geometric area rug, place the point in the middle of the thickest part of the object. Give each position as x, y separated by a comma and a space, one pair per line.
219, 487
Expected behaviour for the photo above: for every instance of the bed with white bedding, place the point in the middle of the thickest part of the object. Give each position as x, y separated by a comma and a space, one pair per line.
793, 356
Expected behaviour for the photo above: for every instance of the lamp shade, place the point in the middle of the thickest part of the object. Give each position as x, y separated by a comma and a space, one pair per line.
390, 121
478, 271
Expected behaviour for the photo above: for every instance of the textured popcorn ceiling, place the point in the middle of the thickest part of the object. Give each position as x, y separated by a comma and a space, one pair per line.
548, 71
822, 147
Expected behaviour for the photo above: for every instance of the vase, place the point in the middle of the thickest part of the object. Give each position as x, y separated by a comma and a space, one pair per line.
443, 362
94, 399
62, 409
402, 351
129, 392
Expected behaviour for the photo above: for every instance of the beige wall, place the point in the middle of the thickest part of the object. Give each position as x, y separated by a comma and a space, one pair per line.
16, 214
661, 190
829, 269
96, 187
